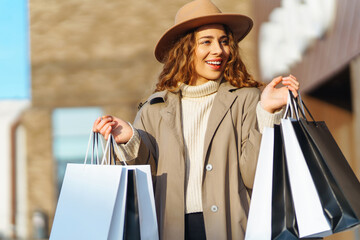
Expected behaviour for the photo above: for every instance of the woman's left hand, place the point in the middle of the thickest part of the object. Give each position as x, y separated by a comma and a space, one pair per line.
273, 98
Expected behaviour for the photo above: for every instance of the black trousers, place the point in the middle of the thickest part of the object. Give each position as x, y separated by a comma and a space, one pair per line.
194, 226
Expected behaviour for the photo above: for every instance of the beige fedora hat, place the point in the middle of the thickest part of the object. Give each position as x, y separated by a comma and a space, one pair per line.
198, 13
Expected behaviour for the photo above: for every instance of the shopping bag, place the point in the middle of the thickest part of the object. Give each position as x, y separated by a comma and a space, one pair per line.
310, 216
283, 219
259, 219
101, 201
140, 221
271, 214
336, 183
86, 202
131, 223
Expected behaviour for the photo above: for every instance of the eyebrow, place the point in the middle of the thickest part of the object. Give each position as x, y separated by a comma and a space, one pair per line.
212, 37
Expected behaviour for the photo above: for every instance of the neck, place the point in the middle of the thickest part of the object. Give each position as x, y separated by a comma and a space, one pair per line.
199, 81
199, 91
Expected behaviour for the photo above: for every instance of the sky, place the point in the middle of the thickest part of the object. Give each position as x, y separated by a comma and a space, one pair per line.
14, 50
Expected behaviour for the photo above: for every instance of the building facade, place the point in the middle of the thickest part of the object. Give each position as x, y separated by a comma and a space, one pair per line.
87, 59
327, 68
90, 58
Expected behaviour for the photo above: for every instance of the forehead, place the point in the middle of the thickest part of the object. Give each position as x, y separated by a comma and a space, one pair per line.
210, 30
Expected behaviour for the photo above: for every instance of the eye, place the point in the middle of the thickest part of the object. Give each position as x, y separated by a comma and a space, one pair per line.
205, 42
225, 41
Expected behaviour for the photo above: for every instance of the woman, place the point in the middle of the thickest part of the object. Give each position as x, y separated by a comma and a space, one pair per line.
199, 131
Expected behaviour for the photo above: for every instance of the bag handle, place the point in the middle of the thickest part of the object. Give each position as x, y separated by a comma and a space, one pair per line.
300, 106
94, 142
109, 149
290, 109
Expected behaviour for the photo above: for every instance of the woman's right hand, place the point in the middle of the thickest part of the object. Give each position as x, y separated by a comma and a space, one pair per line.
121, 130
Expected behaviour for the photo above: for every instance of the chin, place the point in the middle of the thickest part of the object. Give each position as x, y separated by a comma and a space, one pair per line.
214, 78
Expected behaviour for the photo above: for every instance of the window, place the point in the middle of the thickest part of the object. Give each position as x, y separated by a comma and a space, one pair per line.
71, 131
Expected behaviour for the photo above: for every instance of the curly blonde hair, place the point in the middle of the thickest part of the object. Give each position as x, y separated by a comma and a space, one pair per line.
179, 65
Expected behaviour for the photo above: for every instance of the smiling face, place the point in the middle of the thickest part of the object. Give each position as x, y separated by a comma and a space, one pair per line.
211, 53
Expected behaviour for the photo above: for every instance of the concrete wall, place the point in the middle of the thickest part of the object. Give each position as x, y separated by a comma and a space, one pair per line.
83, 50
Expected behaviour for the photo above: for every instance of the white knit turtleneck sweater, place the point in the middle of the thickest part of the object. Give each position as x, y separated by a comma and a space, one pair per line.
196, 104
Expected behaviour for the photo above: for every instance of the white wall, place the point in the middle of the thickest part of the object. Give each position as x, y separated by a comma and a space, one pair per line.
9, 112
21, 185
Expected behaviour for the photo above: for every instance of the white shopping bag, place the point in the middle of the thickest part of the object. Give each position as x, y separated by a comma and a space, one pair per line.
146, 202
310, 217
92, 201
259, 220
86, 202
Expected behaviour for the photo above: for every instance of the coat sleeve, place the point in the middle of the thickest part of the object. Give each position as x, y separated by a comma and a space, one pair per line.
250, 138
266, 119
143, 146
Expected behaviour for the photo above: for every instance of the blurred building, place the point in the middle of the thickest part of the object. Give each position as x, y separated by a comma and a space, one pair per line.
317, 41
90, 58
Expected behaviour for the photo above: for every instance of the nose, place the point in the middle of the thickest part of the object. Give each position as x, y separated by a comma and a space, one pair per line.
216, 49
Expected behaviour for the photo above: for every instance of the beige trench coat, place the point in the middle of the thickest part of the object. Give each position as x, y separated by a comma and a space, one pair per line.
231, 149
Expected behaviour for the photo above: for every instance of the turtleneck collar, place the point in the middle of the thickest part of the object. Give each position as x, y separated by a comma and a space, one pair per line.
202, 90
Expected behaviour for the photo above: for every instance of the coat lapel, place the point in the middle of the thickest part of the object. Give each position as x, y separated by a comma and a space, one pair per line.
222, 103
171, 113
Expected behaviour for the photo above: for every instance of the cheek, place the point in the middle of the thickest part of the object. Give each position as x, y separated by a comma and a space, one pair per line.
200, 54
197, 60
227, 52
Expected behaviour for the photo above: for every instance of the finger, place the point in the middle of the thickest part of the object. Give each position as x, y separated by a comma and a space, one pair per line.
276, 81
293, 83
104, 120
107, 132
107, 116
292, 80
296, 88
97, 121
292, 76
294, 91
105, 127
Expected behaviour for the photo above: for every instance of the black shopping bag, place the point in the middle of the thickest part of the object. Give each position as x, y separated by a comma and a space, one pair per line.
131, 225
283, 219
336, 183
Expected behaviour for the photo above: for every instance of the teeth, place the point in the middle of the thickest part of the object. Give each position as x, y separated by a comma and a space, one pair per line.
214, 62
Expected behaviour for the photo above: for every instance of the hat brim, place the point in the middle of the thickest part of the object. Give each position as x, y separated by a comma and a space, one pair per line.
240, 25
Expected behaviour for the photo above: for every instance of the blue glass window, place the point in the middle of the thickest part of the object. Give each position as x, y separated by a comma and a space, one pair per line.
71, 131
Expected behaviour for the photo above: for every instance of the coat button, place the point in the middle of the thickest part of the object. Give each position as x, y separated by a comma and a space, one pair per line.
209, 167
214, 208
